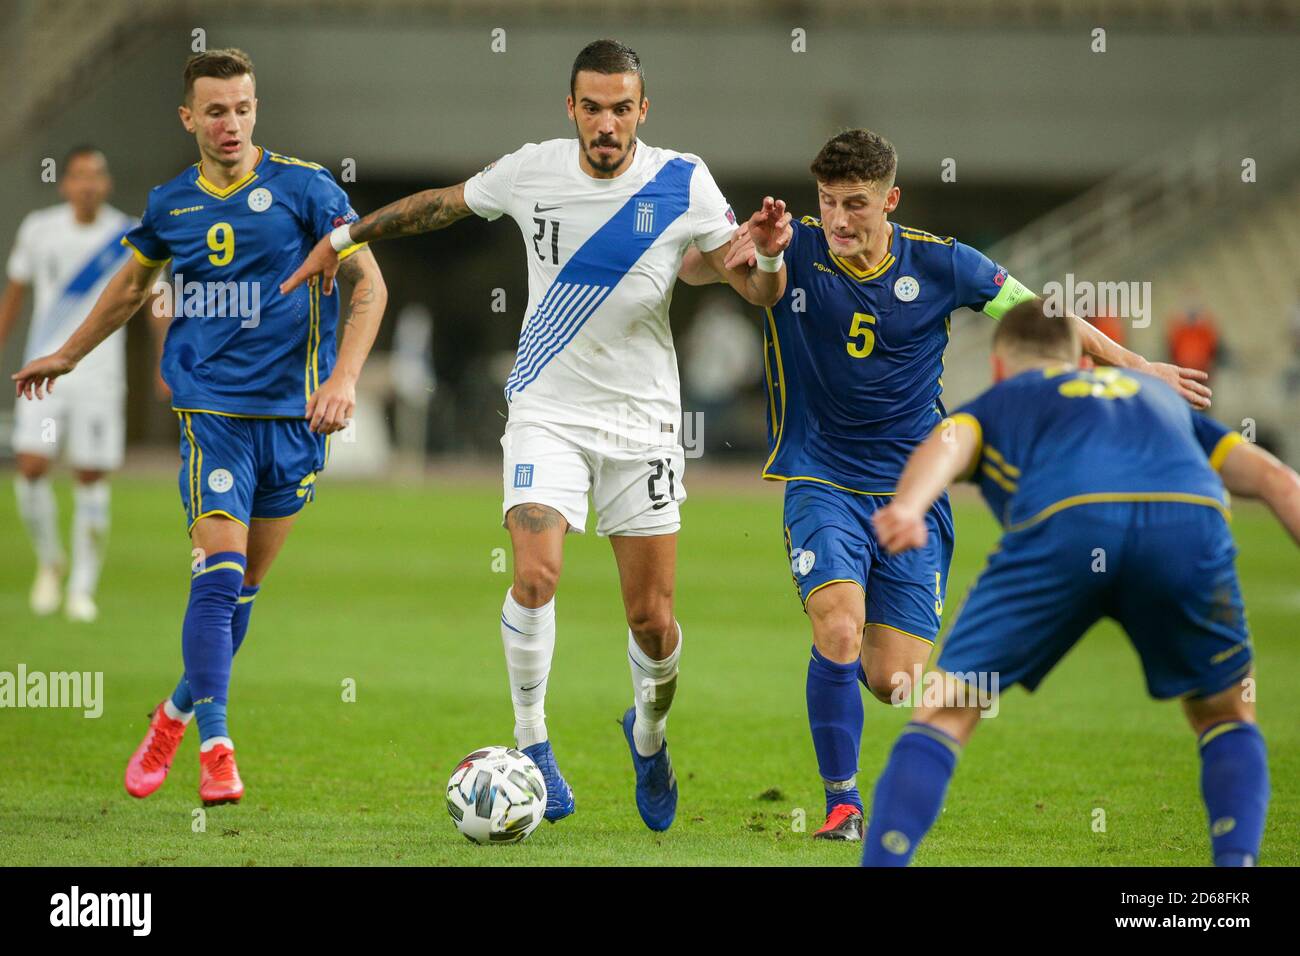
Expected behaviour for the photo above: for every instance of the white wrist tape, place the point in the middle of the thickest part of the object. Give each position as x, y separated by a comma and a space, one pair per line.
769, 263
341, 238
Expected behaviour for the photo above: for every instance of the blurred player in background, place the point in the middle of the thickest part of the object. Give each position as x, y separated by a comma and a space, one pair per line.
594, 396
854, 364
67, 254
1079, 464
253, 376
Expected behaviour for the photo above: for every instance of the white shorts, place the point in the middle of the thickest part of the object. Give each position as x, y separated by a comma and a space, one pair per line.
91, 429
636, 488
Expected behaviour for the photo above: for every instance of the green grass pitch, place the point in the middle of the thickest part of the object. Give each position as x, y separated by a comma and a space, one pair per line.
395, 589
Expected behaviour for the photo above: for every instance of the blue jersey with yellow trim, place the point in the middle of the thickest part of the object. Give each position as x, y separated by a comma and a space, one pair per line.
235, 344
1057, 437
854, 359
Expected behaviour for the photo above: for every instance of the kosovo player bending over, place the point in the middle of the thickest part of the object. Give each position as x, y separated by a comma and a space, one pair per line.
1071, 462
854, 359
253, 378
594, 398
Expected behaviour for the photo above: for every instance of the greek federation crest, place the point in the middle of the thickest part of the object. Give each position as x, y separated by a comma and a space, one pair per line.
645, 217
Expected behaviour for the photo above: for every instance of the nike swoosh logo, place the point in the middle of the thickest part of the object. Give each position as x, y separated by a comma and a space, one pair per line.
534, 686
538, 207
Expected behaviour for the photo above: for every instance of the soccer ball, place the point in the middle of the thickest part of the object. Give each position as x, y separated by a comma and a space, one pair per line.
496, 795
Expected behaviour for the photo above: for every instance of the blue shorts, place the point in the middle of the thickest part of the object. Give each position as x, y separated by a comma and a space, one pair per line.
247, 468
829, 538
1164, 571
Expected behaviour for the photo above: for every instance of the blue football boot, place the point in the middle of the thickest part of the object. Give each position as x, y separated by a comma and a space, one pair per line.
559, 798
656, 784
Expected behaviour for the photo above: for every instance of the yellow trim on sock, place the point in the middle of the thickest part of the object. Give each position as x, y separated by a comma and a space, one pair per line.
220, 566
934, 734
1220, 730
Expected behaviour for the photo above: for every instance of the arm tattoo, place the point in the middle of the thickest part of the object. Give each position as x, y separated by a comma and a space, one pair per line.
363, 292
534, 518
421, 212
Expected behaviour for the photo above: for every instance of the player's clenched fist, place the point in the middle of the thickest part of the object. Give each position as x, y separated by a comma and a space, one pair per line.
39, 374
323, 261
899, 528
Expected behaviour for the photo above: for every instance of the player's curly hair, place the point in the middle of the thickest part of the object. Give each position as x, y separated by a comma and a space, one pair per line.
608, 57
221, 64
1027, 330
856, 155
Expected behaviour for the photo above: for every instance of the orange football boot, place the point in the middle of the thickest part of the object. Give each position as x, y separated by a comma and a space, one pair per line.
148, 766
219, 777
844, 822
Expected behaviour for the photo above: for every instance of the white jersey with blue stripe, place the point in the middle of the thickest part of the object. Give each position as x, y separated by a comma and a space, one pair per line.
596, 348
67, 264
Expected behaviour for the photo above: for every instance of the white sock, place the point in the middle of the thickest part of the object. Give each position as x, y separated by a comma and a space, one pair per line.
528, 635
184, 716
40, 513
89, 535
654, 683
213, 741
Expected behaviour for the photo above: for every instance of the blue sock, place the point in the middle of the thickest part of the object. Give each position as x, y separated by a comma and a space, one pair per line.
1234, 785
182, 699
206, 643
909, 794
835, 717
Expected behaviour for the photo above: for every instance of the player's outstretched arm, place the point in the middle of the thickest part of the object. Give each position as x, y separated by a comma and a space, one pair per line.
697, 270
421, 212
760, 275
1188, 382
739, 256
331, 406
935, 464
1251, 472
120, 300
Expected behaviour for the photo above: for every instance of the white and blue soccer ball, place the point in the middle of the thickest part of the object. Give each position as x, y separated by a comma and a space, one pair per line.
496, 795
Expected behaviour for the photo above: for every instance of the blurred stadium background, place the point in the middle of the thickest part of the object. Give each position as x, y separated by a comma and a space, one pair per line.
1123, 165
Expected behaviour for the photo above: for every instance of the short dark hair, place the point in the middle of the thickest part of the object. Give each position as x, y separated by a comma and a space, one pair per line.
221, 64
1027, 330
83, 149
856, 155
608, 57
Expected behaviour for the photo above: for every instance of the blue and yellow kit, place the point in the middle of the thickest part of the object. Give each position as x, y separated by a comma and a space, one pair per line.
1106, 486
854, 365
240, 358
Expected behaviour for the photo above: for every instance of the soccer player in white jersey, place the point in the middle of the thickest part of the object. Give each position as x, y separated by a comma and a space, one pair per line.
66, 254
594, 397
